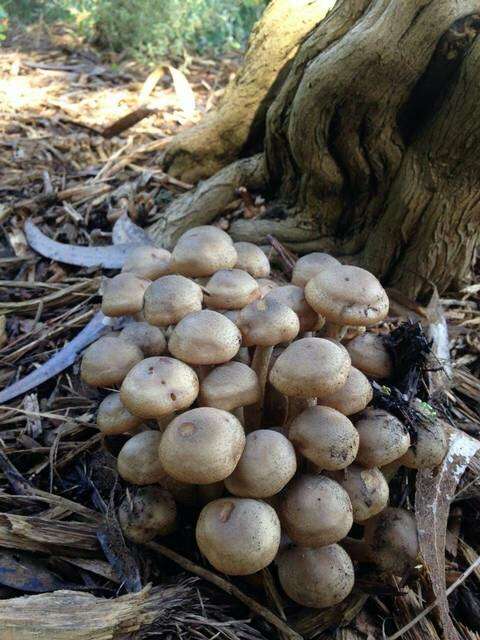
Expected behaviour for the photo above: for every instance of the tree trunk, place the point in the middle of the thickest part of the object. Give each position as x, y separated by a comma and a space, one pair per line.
371, 146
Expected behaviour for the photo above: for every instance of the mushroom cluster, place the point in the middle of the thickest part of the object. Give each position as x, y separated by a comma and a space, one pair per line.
250, 399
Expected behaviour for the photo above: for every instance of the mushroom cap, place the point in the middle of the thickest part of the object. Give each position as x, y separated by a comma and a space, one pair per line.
294, 297
106, 362
310, 265
205, 337
238, 536
149, 512
266, 285
316, 578
429, 449
113, 417
347, 295
148, 338
315, 511
265, 323
267, 464
230, 289
170, 298
158, 386
123, 294
202, 251
229, 386
383, 438
202, 445
325, 437
353, 397
146, 261
369, 354
138, 460
311, 368
367, 489
252, 259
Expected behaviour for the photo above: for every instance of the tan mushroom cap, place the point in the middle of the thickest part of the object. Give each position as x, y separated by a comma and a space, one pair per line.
316, 578
238, 536
266, 323
148, 513
311, 368
266, 285
325, 437
171, 298
202, 445
267, 464
252, 259
123, 294
113, 417
367, 489
347, 295
148, 338
158, 386
203, 251
429, 449
230, 289
315, 511
229, 386
353, 397
310, 265
138, 461
107, 361
205, 337
146, 261
383, 438
294, 297
393, 540
369, 354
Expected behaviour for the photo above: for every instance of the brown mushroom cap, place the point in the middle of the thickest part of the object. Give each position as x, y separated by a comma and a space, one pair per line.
238, 536
347, 295
146, 261
367, 489
315, 511
429, 449
229, 386
311, 368
294, 298
266, 323
148, 338
171, 298
113, 417
267, 464
383, 438
310, 265
316, 578
353, 397
205, 337
107, 361
149, 512
252, 259
325, 437
369, 354
230, 289
202, 445
122, 295
138, 460
202, 251
158, 386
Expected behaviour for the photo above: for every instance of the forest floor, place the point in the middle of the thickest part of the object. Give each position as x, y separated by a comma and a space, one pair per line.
66, 164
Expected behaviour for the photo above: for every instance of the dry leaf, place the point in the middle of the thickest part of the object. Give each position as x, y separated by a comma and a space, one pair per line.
183, 90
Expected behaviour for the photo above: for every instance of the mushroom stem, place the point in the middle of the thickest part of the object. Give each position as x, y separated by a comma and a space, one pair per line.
296, 406
335, 331
239, 413
358, 550
260, 364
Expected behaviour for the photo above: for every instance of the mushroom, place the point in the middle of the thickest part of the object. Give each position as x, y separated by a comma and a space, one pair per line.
170, 298
316, 578
122, 295
159, 386
429, 449
252, 259
106, 362
325, 437
238, 536
138, 461
230, 289
294, 297
383, 438
266, 285
230, 386
202, 251
315, 511
146, 261
310, 265
113, 417
267, 464
148, 338
353, 397
369, 354
202, 446
367, 489
148, 513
